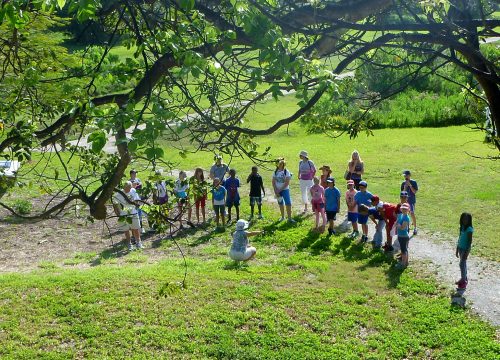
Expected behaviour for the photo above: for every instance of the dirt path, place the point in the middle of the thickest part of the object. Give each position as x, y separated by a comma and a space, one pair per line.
437, 252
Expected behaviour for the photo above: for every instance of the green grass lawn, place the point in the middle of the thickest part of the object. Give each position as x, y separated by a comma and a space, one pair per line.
305, 297
450, 180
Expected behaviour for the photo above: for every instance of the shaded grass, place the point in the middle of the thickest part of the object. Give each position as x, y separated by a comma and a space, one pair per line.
331, 299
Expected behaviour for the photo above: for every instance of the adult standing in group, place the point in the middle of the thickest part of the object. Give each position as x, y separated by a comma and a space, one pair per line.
281, 186
219, 169
307, 170
125, 206
355, 169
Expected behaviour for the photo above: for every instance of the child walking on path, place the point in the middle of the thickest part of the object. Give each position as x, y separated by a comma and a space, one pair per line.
402, 226
256, 186
463, 247
240, 249
218, 201
233, 196
318, 203
332, 197
352, 207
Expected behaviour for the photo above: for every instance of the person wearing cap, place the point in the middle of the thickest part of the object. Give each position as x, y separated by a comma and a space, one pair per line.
352, 208
326, 172
307, 170
355, 169
281, 187
318, 203
411, 187
363, 197
402, 227
332, 197
376, 214
219, 169
240, 248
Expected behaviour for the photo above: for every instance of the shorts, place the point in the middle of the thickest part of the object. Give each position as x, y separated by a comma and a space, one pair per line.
126, 226
362, 219
242, 256
403, 244
412, 207
352, 217
317, 205
233, 202
331, 215
200, 202
255, 200
219, 209
285, 194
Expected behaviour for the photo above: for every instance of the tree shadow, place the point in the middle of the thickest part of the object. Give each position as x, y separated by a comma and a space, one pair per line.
116, 251
307, 241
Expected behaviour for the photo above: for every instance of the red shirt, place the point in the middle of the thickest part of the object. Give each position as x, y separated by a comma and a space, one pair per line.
390, 211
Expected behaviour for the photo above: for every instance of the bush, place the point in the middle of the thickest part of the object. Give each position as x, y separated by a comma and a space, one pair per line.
23, 207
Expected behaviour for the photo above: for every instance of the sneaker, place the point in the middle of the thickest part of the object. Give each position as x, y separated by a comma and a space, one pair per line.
291, 221
130, 247
190, 224
139, 245
260, 217
364, 238
415, 231
388, 248
355, 234
400, 266
281, 219
143, 231
331, 231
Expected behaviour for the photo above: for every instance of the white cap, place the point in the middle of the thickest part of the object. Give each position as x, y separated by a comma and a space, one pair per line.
380, 205
241, 225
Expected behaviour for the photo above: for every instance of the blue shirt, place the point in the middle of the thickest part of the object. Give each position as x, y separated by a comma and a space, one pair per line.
412, 199
363, 198
332, 197
218, 194
240, 241
232, 185
401, 219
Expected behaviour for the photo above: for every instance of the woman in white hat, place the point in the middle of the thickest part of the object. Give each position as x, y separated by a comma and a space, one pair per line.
240, 249
307, 170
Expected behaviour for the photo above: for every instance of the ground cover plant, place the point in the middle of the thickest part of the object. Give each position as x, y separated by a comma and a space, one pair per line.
306, 296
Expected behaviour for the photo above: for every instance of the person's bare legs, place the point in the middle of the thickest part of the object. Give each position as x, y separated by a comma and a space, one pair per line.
289, 211
413, 219
316, 214
282, 210
323, 216
203, 213
198, 214
364, 227
237, 207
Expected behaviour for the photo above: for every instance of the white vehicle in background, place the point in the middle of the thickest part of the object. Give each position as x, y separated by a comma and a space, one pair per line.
9, 168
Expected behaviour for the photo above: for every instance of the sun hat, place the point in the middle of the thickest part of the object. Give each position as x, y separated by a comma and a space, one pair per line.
375, 198
363, 183
407, 172
403, 193
330, 180
405, 206
241, 224
350, 182
304, 154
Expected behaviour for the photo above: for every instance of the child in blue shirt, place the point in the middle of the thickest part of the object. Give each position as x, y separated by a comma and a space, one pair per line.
402, 227
218, 201
363, 197
463, 247
332, 207
233, 196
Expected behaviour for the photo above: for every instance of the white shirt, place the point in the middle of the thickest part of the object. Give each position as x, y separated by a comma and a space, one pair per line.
127, 207
280, 176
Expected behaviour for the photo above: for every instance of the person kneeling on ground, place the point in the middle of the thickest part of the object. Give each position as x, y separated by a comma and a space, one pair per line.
240, 249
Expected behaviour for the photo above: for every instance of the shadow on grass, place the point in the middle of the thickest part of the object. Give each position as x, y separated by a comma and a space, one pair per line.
236, 265
117, 251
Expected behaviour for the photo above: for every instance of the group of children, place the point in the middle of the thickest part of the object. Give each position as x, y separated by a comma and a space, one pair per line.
362, 206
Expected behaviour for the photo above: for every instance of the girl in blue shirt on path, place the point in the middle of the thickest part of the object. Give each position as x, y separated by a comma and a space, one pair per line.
463, 247
403, 226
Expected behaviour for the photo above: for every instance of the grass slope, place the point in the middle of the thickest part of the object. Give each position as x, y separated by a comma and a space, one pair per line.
305, 297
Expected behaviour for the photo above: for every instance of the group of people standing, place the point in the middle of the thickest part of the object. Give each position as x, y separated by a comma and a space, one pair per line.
320, 192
